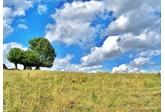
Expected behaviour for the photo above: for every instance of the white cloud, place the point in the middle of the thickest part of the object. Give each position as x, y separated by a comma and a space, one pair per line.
7, 14
7, 29
108, 50
39, 1
121, 68
73, 20
115, 46
7, 20
18, 7
72, 23
134, 66
150, 53
133, 22
64, 64
22, 20
138, 62
12, 9
6, 49
42, 9
142, 42
119, 7
22, 26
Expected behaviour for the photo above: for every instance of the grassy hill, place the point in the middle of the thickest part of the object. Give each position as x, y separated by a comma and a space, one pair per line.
45, 91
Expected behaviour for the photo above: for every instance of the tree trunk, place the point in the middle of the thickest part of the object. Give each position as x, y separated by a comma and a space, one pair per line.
25, 67
15, 65
37, 68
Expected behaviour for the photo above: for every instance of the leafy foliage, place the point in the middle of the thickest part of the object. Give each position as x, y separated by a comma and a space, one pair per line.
29, 58
15, 56
46, 52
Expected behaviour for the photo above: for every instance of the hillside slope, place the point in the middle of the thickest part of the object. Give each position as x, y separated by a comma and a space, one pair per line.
52, 91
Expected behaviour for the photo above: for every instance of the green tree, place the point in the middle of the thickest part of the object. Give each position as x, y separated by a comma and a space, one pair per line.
15, 56
46, 52
29, 59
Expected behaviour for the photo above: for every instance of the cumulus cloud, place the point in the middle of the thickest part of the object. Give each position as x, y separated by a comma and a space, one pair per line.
142, 42
18, 8
11, 10
6, 49
64, 64
7, 29
73, 20
22, 26
134, 66
150, 53
119, 7
108, 50
7, 20
136, 23
115, 46
73, 23
42, 9
132, 22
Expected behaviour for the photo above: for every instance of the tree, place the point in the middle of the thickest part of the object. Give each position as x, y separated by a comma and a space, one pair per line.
14, 56
29, 59
45, 51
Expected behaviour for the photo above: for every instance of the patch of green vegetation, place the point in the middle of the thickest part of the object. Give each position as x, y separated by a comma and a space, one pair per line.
112, 100
94, 96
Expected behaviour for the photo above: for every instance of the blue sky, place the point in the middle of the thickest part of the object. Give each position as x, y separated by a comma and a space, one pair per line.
88, 36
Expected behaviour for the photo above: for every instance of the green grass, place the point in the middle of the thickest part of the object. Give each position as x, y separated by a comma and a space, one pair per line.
43, 91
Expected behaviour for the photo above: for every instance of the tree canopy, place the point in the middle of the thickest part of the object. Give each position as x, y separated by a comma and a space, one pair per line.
46, 52
15, 56
39, 54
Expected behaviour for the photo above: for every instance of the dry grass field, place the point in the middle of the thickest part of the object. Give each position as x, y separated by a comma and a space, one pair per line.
53, 91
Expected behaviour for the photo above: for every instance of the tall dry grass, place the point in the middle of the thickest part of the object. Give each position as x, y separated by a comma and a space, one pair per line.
43, 91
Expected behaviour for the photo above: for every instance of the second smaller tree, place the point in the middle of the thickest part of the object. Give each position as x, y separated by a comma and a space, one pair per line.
29, 59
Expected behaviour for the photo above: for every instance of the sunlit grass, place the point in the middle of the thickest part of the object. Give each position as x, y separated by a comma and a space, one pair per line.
43, 91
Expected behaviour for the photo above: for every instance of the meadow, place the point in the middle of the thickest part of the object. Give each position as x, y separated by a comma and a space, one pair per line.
55, 91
